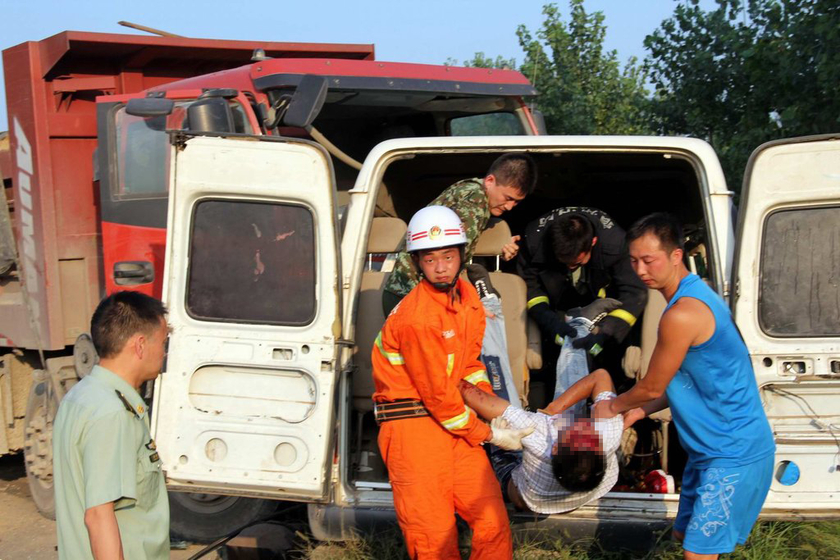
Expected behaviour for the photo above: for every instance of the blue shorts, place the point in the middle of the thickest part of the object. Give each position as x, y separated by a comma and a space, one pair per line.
719, 505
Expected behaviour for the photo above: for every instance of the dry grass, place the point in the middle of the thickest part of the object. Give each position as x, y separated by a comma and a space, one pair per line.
768, 541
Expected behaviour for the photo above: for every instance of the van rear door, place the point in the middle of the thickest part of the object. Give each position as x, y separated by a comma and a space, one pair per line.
245, 405
786, 300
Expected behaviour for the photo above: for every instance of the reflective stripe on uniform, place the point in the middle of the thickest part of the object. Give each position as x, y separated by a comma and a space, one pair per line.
457, 422
450, 364
602, 293
477, 377
625, 316
394, 358
537, 300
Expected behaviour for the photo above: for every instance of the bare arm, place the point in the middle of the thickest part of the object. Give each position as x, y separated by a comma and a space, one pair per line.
679, 328
486, 405
596, 382
104, 533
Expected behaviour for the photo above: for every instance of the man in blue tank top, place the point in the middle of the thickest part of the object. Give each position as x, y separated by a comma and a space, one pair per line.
701, 368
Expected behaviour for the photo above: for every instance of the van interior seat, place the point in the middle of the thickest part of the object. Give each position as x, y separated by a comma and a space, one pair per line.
387, 235
637, 359
524, 352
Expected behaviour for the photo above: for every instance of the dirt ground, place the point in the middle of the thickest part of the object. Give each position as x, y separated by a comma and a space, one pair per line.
24, 533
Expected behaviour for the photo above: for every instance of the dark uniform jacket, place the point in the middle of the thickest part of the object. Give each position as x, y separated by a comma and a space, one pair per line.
607, 274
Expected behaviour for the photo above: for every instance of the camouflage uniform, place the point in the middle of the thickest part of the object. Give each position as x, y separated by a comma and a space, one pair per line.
469, 200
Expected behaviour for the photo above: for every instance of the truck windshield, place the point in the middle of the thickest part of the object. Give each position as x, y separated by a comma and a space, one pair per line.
142, 150
493, 124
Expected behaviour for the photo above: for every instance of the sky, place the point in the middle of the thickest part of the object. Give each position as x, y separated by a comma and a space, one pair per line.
430, 32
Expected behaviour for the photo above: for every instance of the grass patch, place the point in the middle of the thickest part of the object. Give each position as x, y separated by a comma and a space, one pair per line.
773, 540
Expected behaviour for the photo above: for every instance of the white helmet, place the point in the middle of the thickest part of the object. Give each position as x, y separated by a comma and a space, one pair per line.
434, 227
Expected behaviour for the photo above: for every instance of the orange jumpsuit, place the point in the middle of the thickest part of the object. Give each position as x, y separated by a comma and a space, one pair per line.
436, 465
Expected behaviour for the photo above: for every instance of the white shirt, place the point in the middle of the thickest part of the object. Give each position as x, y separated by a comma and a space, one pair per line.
534, 477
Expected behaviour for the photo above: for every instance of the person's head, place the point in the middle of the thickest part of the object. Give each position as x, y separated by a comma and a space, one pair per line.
656, 247
577, 458
131, 327
436, 240
572, 238
510, 178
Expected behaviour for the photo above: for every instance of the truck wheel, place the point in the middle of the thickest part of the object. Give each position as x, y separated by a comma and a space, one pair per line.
205, 517
37, 443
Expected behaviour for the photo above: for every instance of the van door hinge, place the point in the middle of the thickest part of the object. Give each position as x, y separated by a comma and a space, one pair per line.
346, 282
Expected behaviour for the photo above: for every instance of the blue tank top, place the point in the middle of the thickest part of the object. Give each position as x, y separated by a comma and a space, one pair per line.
714, 397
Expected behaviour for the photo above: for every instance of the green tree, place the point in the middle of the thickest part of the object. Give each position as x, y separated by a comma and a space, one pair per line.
582, 88
747, 72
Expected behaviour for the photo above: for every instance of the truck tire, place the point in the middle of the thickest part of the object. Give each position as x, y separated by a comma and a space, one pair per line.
37, 444
203, 518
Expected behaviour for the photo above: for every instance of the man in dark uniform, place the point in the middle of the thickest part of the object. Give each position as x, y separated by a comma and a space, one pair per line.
570, 257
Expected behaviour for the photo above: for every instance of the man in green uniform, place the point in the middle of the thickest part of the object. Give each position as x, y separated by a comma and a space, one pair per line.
110, 495
511, 178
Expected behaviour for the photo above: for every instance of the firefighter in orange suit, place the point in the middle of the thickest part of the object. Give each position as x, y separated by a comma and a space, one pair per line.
429, 439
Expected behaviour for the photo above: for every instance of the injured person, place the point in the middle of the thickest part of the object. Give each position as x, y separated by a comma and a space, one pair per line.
565, 463
570, 459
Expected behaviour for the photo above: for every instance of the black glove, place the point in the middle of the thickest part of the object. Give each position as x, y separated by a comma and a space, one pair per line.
562, 330
480, 278
614, 327
593, 342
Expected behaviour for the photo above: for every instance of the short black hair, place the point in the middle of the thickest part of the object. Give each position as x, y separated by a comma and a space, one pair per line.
664, 226
578, 470
516, 169
120, 316
570, 235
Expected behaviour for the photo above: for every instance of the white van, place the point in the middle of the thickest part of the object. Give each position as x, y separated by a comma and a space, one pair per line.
267, 388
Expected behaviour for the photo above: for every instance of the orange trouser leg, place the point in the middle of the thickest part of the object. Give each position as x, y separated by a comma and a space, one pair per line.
478, 500
419, 455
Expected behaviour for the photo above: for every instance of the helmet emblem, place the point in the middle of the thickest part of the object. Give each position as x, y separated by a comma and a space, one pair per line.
434, 232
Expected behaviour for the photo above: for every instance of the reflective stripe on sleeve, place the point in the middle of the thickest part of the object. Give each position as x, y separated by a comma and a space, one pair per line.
536, 301
394, 358
457, 422
450, 364
625, 316
477, 377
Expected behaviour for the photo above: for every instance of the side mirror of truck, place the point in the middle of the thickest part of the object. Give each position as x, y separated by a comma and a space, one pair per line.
306, 102
149, 107
212, 114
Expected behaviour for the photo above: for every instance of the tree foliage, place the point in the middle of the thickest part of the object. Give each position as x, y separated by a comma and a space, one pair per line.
747, 72
583, 89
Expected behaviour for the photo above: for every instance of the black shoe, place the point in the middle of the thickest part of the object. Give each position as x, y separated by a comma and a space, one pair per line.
480, 278
596, 310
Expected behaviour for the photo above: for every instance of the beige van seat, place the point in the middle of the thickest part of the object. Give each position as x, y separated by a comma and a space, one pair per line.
637, 360
524, 351
387, 235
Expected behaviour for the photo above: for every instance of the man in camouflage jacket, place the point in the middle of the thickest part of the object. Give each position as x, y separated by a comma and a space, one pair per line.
511, 178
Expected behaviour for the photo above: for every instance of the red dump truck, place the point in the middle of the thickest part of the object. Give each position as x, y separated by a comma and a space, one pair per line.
85, 174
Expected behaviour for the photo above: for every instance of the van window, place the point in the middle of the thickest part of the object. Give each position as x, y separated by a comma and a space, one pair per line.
142, 149
252, 262
492, 124
800, 273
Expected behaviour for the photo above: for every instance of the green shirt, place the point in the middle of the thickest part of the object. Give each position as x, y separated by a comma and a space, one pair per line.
469, 200
102, 452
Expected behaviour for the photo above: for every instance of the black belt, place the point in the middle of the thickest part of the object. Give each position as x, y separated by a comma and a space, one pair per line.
398, 409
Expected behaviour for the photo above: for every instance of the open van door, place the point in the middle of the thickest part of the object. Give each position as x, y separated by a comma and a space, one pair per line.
245, 405
786, 300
